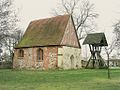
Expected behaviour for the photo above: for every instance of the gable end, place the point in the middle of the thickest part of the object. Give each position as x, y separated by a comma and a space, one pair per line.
70, 37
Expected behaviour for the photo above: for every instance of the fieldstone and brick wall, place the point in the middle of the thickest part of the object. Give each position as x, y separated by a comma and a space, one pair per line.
30, 58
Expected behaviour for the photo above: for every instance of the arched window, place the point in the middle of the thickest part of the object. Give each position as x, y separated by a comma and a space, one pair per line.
39, 54
21, 53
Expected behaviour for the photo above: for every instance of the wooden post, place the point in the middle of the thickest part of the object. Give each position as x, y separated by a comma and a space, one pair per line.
95, 56
90, 56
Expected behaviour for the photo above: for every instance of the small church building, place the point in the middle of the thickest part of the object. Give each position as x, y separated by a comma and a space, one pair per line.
49, 44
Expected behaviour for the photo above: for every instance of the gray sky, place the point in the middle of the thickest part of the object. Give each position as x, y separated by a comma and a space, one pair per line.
108, 10
34, 9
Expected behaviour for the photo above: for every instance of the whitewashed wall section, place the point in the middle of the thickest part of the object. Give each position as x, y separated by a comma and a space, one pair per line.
69, 57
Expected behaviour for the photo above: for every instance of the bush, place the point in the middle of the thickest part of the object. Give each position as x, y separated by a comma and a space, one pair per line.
6, 65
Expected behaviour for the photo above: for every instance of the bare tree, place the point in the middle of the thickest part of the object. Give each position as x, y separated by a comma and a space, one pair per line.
8, 18
11, 41
83, 15
8, 25
115, 44
108, 51
117, 33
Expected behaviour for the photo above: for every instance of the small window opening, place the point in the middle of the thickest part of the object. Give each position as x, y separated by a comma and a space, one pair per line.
21, 53
40, 54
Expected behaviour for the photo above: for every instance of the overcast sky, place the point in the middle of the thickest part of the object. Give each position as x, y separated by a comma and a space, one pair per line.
108, 10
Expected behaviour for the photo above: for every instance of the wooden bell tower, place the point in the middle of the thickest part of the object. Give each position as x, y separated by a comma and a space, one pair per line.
95, 41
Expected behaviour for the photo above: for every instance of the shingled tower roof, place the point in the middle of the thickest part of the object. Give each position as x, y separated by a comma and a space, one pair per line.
45, 32
96, 39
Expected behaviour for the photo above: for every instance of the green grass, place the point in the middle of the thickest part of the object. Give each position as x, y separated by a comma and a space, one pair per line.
84, 79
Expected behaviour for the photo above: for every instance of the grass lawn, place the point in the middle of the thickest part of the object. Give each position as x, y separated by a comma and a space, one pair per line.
84, 79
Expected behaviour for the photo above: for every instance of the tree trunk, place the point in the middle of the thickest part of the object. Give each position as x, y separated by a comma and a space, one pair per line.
108, 66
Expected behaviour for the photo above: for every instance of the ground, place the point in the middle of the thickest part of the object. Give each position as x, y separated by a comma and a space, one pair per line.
83, 79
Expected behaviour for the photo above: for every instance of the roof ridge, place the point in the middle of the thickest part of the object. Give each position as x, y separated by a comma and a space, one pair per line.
50, 17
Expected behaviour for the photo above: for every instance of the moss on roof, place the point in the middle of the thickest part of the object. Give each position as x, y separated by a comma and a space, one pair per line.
96, 39
43, 32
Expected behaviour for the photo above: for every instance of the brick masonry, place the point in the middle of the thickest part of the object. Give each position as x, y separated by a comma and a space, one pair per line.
70, 36
30, 58
53, 57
